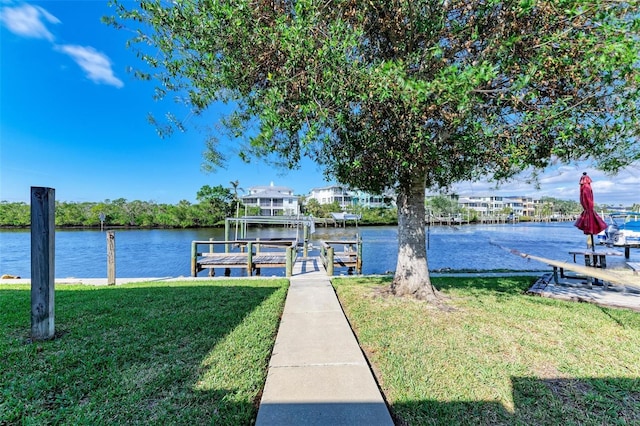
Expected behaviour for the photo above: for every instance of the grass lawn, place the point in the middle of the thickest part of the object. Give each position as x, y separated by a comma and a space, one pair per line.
160, 353
498, 356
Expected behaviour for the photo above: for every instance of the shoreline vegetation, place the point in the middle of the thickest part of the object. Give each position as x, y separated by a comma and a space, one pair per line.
123, 214
191, 353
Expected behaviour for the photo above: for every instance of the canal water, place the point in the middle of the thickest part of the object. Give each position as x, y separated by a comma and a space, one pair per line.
166, 252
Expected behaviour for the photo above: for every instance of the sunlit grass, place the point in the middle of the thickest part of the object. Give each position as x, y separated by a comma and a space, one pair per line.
171, 353
499, 356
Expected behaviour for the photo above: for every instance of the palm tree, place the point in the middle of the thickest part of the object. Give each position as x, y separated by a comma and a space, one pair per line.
235, 187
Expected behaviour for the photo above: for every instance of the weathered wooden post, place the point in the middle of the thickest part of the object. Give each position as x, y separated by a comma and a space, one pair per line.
249, 258
212, 272
290, 253
227, 232
305, 235
42, 263
194, 259
359, 258
330, 254
111, 258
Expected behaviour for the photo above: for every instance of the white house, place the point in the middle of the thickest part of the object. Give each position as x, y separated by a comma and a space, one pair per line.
330, 194
489, 205
347, 198
272, 200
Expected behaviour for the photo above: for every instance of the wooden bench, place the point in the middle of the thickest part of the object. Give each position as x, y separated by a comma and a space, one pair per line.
596, 259
635, 267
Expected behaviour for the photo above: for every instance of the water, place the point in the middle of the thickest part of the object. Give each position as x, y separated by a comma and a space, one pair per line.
166, 252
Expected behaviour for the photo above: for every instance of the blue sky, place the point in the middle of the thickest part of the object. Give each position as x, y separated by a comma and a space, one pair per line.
72, 118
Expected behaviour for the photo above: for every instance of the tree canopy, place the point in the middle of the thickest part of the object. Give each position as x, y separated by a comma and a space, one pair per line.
406, 94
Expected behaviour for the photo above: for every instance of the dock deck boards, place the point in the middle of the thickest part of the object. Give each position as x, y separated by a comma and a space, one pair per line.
223, 260
240, 260
269, 260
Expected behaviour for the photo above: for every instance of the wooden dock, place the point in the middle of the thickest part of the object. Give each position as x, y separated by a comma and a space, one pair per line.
349, 257
250, 255
253, 255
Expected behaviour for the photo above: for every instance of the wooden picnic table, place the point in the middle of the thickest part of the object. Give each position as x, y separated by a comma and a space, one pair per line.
593, 259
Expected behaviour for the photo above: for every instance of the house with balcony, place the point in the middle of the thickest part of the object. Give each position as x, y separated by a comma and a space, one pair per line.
331, 194
272, 200
492, 205
365, 199
347, 198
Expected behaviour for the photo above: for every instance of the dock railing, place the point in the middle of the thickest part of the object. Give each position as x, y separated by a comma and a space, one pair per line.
349, 257
250, 255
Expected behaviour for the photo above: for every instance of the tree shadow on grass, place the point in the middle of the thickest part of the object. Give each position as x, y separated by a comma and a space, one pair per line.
171, 355
586, 401
496, 285
514, 285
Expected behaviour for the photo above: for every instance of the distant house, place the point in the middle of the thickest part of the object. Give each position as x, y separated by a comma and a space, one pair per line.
364, 199
332, 194
348, 198
272, 200
489, 205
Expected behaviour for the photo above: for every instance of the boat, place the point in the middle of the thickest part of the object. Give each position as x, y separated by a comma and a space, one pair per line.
623, 230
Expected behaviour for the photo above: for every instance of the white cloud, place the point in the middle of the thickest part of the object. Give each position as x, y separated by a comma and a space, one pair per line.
30, 21
27, 21
96, 64
563, 183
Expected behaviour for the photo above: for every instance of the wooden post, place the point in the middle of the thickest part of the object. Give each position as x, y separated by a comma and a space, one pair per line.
42, 263
249, 258
212, 271
290, 252
194, 259
330, 261
359, 258
227, 231
305, 247
111, 258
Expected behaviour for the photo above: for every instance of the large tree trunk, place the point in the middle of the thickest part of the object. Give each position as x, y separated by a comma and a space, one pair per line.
412, 272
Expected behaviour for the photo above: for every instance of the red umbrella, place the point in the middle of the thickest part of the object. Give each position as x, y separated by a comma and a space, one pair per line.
589, 221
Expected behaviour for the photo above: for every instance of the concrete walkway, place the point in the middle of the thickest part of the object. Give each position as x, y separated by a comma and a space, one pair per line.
317, 373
